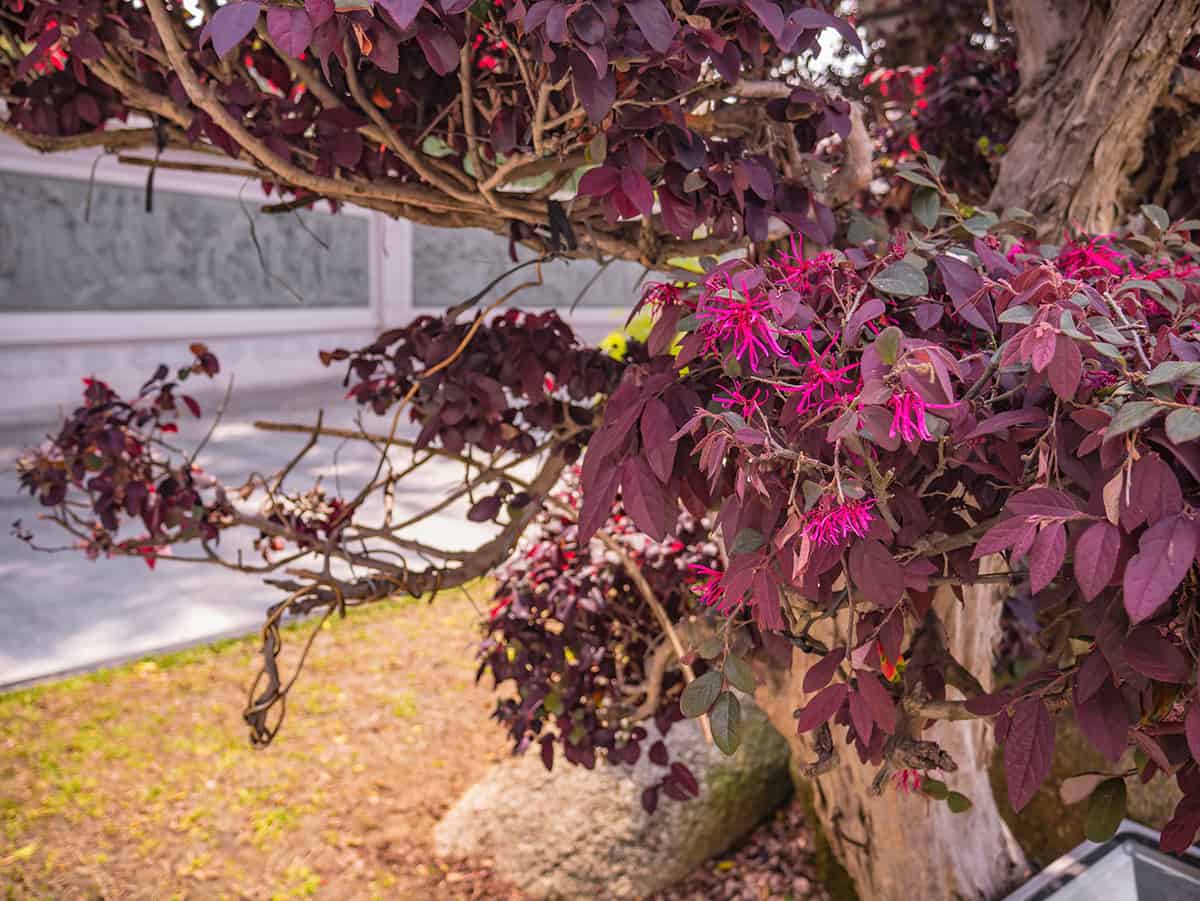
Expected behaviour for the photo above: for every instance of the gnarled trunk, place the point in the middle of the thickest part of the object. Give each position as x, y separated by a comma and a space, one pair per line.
901, 846
1091, 75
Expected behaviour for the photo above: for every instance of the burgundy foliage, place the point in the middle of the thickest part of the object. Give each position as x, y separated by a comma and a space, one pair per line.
569, 631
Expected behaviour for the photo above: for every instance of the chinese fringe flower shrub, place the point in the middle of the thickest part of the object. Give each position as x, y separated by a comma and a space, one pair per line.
873, 423
115, 452
569, 629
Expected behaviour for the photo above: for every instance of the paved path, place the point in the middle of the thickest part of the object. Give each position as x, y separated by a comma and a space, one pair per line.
62, 612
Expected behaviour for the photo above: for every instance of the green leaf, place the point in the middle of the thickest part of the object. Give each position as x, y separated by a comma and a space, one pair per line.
597, 149
436, 147
700, 693
687, 323
1020, 315
887, 343
739, 674
935, 788
1130, 416
746, 541
711, 647
958, 802
902, 280
1174, 371
917, 178
726, 722
1183, 425
1106, 809
979, 225
926, 205
1157, 215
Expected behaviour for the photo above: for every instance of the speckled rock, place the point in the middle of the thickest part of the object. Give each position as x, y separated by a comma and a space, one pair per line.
576, 833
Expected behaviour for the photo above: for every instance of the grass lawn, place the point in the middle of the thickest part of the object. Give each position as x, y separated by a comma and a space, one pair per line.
139, 782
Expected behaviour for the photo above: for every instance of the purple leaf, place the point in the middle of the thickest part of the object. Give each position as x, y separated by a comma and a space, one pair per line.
1028, 751
1191, 729
290, 29
1066, 368
1007, 420
769, 15
319, 11
637, 188
878, 701
1092, 673
439, 47
596, 94
1003, 535
599, 181
404, 12
686, 780
484, 509
965, 287
822, 671
230, 24
599, 494
875, 573
816, 18
644, 498
1103, 720
1164, 556
860, 717
1096, 555
1047, 555
654, 21
822, 707
650, 799
1155, 657
658, 427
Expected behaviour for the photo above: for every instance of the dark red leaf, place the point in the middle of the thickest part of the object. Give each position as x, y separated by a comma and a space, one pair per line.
822, 671
1165, 554
650, 799
230, 24
654, 21
1191, 729
1155, 657
878, 701
875, 573
822, 707
290, 29
1047, 555
684, 777
860, 717
1028, 751
1096, 555
1103, 720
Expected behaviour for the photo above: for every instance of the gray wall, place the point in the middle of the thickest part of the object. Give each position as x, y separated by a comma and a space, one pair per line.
450, 265
192, 253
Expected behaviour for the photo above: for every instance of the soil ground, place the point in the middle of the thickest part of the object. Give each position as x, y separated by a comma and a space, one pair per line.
139, 782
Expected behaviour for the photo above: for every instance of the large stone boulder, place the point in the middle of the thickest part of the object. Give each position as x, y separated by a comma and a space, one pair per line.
577, 833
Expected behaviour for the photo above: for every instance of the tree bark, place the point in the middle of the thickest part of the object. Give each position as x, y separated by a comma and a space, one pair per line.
901, 846
1091, 74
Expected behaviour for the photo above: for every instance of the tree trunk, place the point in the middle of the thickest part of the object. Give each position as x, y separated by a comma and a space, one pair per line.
902, 846
1091, 74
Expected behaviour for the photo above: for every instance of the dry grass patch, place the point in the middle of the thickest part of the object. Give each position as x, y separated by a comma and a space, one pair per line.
139, 782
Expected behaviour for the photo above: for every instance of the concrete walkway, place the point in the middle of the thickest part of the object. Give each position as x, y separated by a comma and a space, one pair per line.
62, 612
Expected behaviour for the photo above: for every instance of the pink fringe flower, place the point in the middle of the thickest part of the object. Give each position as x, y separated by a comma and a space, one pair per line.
711, 591
733, 398
798, 273
908, 415
829, 523
824, 386
908, 781
740, 317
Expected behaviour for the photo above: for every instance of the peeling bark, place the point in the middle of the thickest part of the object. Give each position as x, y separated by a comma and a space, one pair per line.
1092, 74
899, 846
